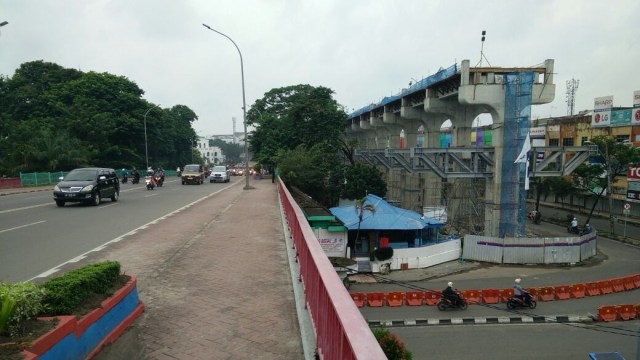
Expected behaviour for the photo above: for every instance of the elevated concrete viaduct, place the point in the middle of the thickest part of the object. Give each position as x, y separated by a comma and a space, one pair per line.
417, 164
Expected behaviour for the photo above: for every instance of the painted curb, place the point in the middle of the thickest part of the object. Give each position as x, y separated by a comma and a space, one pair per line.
484, 320
83, 338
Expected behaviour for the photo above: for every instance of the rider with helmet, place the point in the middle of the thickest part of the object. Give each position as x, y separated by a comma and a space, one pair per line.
520, 293
451, 294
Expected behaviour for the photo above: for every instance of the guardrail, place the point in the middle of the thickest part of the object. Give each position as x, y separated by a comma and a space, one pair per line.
341, 331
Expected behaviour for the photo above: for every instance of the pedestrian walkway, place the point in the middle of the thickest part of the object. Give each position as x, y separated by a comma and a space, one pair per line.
215, 282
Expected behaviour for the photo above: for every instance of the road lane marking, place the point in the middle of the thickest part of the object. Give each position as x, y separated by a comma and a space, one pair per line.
45, 204
121, 237
22, 226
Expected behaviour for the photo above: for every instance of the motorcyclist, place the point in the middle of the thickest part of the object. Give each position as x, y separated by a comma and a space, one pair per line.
451, 294
574, 225
520, 293
136, 175
587, 229
125, 176
150, 177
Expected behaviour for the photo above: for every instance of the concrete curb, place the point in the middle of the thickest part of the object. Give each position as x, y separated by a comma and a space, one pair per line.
485, 320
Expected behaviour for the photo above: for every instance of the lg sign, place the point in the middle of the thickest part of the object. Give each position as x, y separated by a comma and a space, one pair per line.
633, 172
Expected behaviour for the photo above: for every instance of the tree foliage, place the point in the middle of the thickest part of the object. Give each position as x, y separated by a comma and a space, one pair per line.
54, 119
301, 129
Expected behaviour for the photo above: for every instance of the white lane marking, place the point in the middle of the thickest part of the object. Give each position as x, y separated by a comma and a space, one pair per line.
121, 237
24, 208
22, 226
150, 195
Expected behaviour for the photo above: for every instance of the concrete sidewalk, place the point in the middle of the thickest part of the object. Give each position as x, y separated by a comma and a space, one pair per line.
215, 281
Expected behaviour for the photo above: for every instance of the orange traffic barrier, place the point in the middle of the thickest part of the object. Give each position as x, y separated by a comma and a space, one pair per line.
490, 296
505, 294
617, 284
607, 313
358, 298
533, 292
626, 312
375, 299
605, 287
431, 297
563, 292
472, 296
577, 290
629, 282
545, 293
636, 280
414, 298
638, 310
592, 288
394, 298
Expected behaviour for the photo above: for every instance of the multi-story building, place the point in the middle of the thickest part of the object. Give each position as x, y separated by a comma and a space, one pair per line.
212, 155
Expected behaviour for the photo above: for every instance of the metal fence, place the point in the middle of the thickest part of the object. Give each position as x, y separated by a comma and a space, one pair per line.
341, 331
566, 250
51, 178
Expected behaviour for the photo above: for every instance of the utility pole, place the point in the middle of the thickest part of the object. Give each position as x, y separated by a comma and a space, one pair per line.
609, 187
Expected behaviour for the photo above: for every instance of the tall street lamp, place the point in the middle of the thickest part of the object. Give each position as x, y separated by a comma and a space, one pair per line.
146, 149
244, 110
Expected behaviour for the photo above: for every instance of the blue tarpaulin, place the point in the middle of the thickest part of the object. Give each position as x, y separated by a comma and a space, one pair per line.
384, 217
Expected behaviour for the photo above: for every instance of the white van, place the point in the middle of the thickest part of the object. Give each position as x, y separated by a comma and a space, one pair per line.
219, 174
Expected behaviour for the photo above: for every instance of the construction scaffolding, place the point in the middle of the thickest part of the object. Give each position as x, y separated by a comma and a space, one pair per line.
517, 121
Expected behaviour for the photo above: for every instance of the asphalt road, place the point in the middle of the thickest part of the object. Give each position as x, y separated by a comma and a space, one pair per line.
36, 236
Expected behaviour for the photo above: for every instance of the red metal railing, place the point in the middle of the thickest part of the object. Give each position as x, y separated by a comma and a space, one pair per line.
340, 334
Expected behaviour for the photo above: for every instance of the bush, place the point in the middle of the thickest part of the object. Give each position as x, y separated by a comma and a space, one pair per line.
392, 346
18, 303
65, 293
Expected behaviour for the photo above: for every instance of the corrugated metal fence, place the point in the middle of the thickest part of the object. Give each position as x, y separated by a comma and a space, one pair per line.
529, 250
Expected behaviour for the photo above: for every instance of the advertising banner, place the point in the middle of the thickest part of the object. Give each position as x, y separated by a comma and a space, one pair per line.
602, 111
537, 132
621, 117
635, 115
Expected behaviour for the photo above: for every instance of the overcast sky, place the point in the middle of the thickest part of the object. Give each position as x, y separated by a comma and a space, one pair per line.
362, 49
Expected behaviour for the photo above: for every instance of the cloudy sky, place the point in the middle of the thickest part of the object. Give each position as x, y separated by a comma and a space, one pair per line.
362, 49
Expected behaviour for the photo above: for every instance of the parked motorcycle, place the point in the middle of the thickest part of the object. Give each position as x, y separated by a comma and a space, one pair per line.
446, 303
150, 182
515, 302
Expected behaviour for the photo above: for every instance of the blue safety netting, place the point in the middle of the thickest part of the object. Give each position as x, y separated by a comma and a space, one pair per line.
517, 121
418, 86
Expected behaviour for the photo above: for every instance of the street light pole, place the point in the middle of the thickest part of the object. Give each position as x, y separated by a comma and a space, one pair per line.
244, 110
146, 149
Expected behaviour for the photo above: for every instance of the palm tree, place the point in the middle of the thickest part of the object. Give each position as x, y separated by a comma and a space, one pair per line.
360, 209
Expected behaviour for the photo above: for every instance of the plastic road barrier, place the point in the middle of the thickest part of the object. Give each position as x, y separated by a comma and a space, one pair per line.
414, 298
394, 299
431, 297
629, 282
359, 299
563, 292
505, 294
578, 291
626, 312
605, 287
592, 288
607, 313
617, 284
472, 296
375, 299
490, 296
546, 293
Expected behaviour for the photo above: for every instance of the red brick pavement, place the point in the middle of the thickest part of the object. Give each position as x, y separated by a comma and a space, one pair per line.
215, 282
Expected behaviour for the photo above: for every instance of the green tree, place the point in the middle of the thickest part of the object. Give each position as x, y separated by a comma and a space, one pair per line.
362, 179
232, 152
611, 160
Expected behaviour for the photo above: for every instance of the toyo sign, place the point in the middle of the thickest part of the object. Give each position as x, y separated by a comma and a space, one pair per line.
633, 172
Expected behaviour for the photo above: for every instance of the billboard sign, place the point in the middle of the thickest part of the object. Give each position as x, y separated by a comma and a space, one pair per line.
635, 116
602, 111
621, 117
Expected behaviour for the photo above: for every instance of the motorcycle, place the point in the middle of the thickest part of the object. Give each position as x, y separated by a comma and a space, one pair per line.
572, 230
446, 303
150, 182
516, 302
125, 177
136, 178
159, 179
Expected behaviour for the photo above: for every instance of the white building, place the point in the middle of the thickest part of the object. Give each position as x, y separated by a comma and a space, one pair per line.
212, 155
